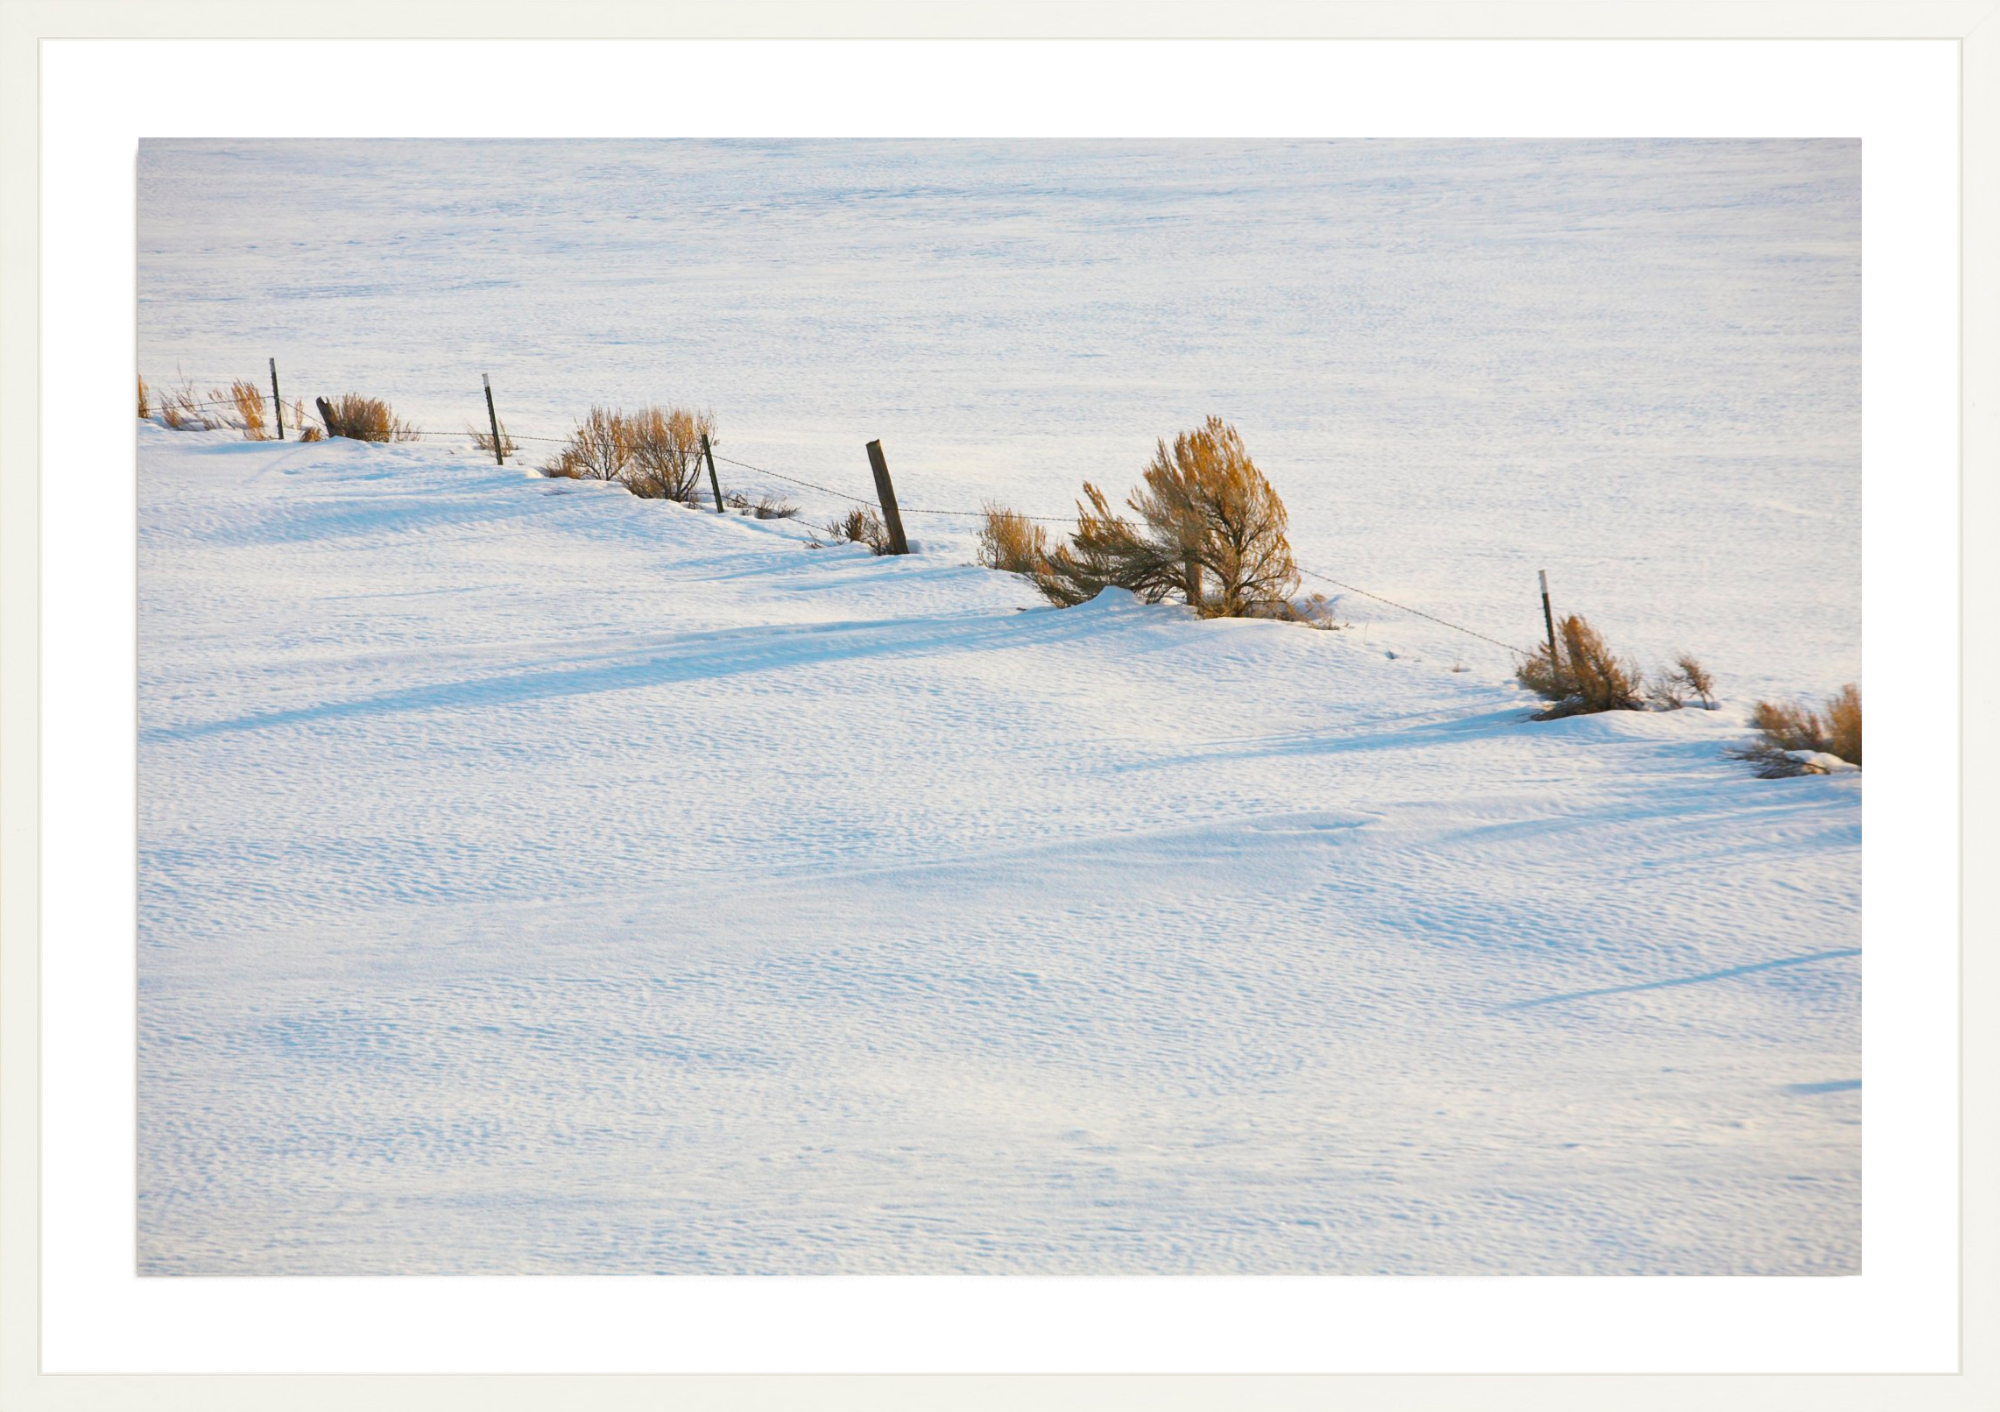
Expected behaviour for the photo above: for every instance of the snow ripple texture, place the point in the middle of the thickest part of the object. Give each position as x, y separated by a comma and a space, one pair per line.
535, 879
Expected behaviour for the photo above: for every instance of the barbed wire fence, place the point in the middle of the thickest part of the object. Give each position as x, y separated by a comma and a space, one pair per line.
484, 440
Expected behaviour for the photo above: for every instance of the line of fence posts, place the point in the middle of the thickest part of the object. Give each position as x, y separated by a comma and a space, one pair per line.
885, 492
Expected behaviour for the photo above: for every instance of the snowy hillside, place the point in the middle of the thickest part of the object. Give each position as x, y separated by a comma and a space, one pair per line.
533, 878
1636, 364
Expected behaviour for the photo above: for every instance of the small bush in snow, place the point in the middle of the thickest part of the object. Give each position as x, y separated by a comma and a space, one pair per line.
596, 450
145, 404
361, 418
665, 452
764, 507
1011, 542
181, 410
1687, 679
1789, 733
860, 525
483, 440
654, 452
248, 401
1210, 531
1582, 676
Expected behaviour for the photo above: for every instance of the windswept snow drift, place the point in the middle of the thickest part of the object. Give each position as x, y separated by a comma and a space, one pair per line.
538, 879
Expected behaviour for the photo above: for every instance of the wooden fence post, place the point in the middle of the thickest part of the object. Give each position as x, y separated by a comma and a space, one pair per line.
713, 484
277, 402
493, 420
325, 415
1549, 618
886, 493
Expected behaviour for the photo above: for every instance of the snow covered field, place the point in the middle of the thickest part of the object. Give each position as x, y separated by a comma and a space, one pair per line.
1634, 364
533, 878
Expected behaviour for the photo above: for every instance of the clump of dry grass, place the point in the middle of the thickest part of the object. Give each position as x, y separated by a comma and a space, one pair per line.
1210, 530
764, 507
861, 525
145, 404
1686, 679
181, 410
1011, 542
248, 400
1582, 676
310, 433
361, 418
1787, 731
483, 440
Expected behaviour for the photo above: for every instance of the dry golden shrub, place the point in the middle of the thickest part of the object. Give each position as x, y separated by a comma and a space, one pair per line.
597, 449
1210, 529
1843, 720
861, 525
483, 440
665, 448
248, 402
1687, 678
1583, 676
145, 405
654, 452
1784, 726
181, 410
365, 419
1011, 542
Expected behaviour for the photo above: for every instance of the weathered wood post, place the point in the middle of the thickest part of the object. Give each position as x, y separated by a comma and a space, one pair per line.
713, 484
886, 493
277, 402
1549, 619
493, 421
325, 415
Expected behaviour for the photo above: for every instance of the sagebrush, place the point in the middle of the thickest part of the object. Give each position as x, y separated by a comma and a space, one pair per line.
861, 525
1210, 530
360, 418
665, 447
1687, 679
1786, 731
1582, 675
1011, 542
654, 452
